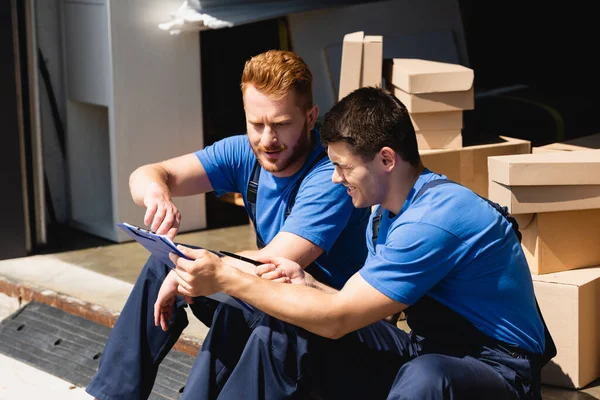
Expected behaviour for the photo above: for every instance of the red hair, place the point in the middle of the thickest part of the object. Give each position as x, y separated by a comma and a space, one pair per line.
276, 72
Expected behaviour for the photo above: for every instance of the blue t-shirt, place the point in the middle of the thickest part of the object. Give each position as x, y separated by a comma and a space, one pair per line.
455, 247
322, 213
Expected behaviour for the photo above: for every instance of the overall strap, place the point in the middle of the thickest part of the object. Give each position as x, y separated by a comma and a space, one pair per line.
375, 226
252, 193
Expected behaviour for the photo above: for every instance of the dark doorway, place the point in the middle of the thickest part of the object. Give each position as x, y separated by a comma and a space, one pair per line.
541, 57
224, 53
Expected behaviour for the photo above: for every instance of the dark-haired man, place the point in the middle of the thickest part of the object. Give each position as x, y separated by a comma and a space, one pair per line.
447, 257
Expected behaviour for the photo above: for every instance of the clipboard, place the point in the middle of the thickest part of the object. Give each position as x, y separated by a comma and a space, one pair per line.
161, 246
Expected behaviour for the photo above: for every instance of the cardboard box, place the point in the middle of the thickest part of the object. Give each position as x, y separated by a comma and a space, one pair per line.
424, 76
435, 102
546, 182
351, 68
570, 304
440, 139
372, 61
583, 143
437, 120
538, 199
561, 241
547, 169
468, 165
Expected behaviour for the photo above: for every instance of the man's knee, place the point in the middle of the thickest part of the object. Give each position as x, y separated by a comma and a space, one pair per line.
156, 268
422, 378
204, 309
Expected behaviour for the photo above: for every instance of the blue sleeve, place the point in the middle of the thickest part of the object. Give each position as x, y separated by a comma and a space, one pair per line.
321, 210
414, 258
227, 163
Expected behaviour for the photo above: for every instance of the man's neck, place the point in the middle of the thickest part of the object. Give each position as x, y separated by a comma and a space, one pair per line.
400, 187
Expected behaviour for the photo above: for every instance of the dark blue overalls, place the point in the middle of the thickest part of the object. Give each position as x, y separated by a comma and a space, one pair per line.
135, 348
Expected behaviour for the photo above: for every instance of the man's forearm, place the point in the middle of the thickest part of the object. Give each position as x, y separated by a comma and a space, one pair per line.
241, 265
315, 312
312, 282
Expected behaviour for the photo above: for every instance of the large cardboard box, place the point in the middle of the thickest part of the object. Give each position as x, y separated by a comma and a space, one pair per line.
561, 241
440, 139
546, 182
436, 102
590, 142
351, 68
424, 76
372, 62
570, 303
468, 165
437, 120
547, 169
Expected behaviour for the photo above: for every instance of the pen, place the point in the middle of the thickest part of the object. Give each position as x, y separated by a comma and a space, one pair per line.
242, 258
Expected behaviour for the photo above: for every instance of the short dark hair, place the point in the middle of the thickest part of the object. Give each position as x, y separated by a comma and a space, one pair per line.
369, 119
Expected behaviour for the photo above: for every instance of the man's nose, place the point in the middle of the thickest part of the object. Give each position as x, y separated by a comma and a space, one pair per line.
336, 177
269, 136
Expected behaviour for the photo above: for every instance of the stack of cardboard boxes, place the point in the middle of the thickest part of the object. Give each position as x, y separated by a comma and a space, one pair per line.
435, 94
555, 195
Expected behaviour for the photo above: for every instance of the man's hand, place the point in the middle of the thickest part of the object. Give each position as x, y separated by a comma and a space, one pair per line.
272, 273
162, 215
163, 307
282, 270
199, 276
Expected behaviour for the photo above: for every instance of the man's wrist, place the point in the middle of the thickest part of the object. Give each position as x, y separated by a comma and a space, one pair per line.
171, 277
310, 281
159, 188
228, 278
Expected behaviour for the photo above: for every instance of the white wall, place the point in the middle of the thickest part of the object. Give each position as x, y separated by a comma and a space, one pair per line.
430, 29
133, 97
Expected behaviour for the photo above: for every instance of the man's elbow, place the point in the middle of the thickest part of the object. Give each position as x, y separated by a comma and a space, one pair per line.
336, 335
136, 175
335, 329
132, 177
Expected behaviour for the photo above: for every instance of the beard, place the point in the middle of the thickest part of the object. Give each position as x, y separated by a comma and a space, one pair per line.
300, 149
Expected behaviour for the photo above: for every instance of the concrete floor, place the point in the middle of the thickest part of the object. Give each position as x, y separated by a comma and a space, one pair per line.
105, 266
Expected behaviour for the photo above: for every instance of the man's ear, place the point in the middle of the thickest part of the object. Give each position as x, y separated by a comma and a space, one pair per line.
388, 158
311, 117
